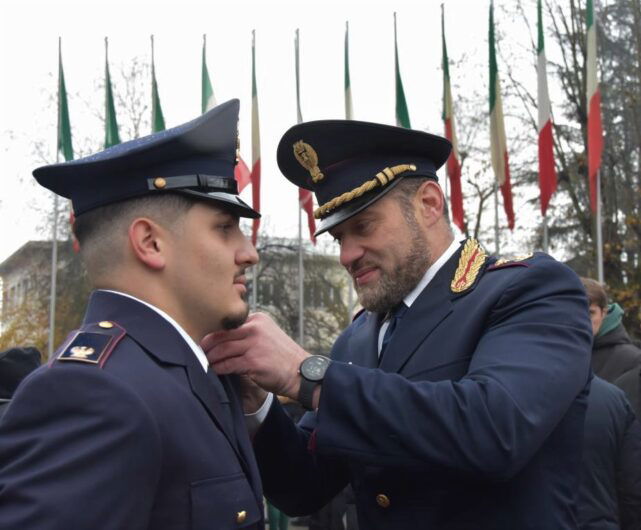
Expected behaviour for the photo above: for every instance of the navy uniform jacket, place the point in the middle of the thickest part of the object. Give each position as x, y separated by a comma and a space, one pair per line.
472, 421
140, 442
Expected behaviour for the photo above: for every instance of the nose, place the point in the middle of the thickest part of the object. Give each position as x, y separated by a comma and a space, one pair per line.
247, 254
350, 252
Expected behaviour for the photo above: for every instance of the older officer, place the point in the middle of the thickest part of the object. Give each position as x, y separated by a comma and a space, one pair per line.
456, 399
127, 428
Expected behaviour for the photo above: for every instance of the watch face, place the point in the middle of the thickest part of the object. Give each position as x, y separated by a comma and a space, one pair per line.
313, 368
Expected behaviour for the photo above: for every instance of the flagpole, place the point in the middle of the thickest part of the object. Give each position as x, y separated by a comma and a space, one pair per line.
54, 236
545, 234
301, 265
599, 234
497, 246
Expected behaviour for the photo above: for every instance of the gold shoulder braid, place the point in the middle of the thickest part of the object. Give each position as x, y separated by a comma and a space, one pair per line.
308, 158
472, 259
381, 179
504, 261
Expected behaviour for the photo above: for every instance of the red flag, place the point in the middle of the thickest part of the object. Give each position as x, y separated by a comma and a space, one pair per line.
595, 129
242, 174
307, 204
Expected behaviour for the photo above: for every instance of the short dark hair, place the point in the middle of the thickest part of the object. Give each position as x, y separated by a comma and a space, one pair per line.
99, 231
596, 292
405, 191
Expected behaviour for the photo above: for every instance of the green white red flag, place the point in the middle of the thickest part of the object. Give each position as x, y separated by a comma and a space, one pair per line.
498, 142
349, 110
112, 136
547, 170
305, 199
593, 93
208, 102
157, 117
255, 173
454, 161
402, 114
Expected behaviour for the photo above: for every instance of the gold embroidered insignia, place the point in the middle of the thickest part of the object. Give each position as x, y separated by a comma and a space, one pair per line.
472, 259
308, 158
516, 259
81, 352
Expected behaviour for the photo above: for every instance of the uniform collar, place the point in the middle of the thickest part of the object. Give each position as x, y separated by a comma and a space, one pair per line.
431, 272
197, 350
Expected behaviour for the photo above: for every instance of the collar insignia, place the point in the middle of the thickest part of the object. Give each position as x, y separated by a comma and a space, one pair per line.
308, 158
472, 259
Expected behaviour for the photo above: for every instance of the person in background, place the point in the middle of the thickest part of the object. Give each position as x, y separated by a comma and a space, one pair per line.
15, 365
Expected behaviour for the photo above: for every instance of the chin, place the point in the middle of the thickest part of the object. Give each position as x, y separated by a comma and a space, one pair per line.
235, 320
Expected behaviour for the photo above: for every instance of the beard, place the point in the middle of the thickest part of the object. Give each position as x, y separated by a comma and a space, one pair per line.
400, 277
235, 320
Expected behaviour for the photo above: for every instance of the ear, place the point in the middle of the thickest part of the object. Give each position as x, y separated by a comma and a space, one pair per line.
430, 202
147, 240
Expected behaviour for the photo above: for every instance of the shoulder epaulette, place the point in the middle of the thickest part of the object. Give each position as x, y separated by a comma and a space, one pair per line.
504, 263
92, 344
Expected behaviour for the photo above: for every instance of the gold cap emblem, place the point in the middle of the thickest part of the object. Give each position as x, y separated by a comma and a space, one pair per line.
81, 352
308, 158
160, 183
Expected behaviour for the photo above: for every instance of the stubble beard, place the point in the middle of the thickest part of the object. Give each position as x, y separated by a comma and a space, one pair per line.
395, 284
235, 320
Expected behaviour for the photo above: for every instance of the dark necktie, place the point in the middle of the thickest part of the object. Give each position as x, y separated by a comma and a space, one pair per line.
396, 315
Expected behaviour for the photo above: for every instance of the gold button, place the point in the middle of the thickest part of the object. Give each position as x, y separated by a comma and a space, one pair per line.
106, 324
160, 183
382, 500
241, 516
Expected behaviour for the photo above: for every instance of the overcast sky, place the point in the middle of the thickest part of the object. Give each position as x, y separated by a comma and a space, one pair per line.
29, 32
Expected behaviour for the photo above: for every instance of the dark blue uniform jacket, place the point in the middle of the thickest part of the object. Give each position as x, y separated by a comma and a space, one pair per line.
472, 421
141, 442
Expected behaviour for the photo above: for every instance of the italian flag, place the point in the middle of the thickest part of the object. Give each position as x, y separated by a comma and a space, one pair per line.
454, 161
255, 173
349, 110
112, 137
595, 130
498, 142
547, 171
402, 114
157, 117
305, 199
208, 102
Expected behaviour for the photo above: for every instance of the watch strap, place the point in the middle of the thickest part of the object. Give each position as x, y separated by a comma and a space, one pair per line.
306, 393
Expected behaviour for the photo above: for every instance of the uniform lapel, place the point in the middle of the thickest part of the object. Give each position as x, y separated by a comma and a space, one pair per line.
163, 342
363, 343
432, 306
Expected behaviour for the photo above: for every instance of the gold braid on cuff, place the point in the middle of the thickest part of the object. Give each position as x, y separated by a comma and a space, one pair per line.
382, 179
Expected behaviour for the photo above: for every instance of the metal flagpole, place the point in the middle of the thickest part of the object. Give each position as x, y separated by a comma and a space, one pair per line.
54, 272
545, 234
599, 233
497, 246
301, 269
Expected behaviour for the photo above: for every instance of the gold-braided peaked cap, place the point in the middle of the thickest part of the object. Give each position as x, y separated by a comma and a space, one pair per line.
351, 164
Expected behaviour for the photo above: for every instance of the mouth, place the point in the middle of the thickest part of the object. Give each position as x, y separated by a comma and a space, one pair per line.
365, 275
240, 281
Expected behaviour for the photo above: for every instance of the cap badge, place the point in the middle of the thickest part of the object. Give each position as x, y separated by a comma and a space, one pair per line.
472, 259
308, 158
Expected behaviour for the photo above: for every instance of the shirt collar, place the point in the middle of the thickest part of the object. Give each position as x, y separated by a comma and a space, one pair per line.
431, 272
198, 351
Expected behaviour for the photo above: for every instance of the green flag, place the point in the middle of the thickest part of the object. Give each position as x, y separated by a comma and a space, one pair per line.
157, 118
402, 114
65, 146
208, 97
111, 125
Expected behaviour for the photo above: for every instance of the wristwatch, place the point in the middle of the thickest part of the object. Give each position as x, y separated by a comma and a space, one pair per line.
312, 371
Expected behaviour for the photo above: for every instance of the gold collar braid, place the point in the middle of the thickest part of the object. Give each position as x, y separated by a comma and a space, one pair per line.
381, 179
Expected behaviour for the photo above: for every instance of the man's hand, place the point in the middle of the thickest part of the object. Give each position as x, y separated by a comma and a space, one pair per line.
260, 350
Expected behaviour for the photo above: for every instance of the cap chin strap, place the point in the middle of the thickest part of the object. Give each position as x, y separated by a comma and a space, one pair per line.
382, 179
205, 183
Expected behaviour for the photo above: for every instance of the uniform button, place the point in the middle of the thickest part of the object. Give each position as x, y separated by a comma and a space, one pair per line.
382, 500
241, 516
160, 183
106, 324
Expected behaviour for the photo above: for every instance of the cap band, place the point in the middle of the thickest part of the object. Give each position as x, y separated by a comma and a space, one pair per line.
206, 182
